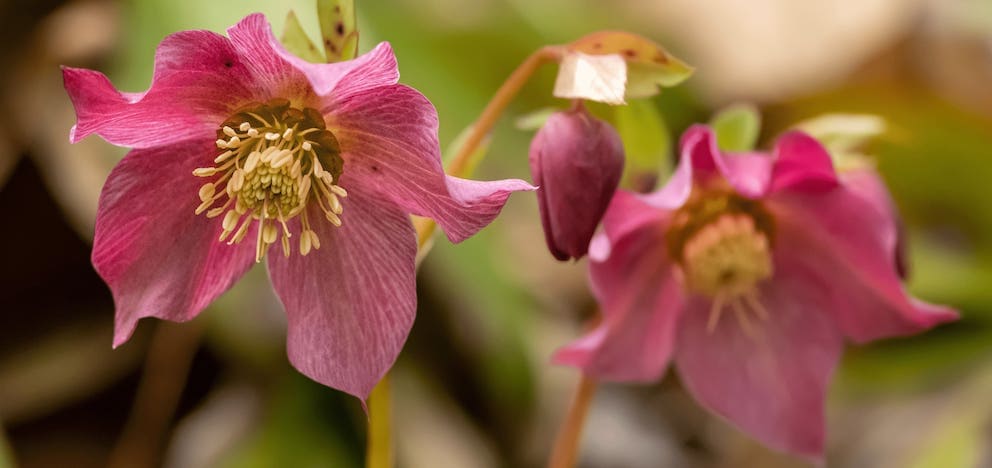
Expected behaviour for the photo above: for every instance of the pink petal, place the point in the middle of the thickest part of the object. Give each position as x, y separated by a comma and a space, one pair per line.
157, 256
770, 384
388, 138
198, 78
801, 163
641, 300
871, 187
843, 237
271, 74
702, 162
351, 303
629, 212
340, 80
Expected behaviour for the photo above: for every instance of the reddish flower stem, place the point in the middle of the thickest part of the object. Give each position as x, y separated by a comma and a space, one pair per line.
566, 448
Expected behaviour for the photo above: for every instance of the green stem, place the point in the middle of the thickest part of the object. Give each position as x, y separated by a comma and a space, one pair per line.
379, 452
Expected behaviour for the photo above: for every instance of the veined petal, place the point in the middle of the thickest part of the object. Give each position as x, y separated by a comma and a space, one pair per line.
198, 77
771, 382
641, 301
157, 256
339, 80
352, 302
388, 138
844, 237
263, 56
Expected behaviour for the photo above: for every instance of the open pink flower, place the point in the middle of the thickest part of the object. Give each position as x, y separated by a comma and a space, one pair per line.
239, 145
749, 271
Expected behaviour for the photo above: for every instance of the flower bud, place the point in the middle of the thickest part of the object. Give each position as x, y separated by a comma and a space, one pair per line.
576, 161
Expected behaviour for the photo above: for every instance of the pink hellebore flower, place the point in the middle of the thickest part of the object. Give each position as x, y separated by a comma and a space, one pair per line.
576, 160
238, 139
749, 271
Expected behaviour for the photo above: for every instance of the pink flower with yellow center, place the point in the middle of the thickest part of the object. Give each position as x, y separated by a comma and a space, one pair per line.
242, 151
749, 271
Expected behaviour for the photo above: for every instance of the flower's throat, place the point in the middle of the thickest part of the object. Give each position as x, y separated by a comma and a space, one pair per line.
723, 244
274, 159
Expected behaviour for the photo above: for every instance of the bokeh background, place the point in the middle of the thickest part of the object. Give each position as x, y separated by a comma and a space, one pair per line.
473, 387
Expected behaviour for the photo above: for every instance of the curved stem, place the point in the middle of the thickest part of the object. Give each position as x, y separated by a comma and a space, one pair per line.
379, 448
459, 164
504, 95
566, 448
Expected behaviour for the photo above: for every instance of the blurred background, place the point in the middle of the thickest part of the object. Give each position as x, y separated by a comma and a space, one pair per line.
473, 387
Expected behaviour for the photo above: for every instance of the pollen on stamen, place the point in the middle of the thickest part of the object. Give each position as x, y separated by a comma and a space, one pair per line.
275, 162
726, 259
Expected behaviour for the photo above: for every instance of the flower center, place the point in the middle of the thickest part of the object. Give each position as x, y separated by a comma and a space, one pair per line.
722, 242
273, 159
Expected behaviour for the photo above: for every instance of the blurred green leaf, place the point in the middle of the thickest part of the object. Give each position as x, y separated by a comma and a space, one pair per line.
737, 127
295, 39
646, 139
300, 431
338, 29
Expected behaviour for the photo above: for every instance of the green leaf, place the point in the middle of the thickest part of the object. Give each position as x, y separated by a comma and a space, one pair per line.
647, 142
338, 29
295, 39
737, 127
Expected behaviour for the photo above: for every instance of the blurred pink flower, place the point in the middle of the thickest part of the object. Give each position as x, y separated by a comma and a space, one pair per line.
749, 271
236, 138
576, 161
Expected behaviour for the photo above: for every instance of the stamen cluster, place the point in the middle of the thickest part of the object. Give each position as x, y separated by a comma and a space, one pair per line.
274, 160
723, 245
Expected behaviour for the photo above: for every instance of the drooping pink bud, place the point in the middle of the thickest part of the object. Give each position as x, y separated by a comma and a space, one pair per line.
576, 160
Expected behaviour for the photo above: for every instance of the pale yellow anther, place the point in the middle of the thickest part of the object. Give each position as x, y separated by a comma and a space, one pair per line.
244, 127
271, 136
333, 218
252, 161
234, 142
207, 192
252, 133
223, 157
204, 171
287, 134
306, 146
305, 243
339, 191
269, 233
222, 144
229, 131
230, 220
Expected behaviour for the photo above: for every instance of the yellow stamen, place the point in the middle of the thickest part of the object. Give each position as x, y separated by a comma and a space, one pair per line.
269, 161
